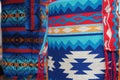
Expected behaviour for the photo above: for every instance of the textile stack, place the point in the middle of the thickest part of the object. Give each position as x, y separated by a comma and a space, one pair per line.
60, 39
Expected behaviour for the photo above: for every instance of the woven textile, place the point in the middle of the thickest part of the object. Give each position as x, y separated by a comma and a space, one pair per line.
75, 40
111, 23
22, 37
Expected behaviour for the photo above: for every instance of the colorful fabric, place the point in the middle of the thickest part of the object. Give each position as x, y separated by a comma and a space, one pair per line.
74, 7
111, 25
44, 20
22, 40
75, 40
33, 14
118, 14
82, 39
73, 19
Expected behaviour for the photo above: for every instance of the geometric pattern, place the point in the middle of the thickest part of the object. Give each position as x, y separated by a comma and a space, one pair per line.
78, 61
21, 46
110, 28
16, 64
74, 6
67, 52
62, 60
75, 40
75, 29
111, 42
75, 19
13, 16
51, 63
22, 39
17, 39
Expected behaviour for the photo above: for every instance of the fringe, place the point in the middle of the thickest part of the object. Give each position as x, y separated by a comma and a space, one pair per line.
111, 72
114, 66
119, 66
107, 75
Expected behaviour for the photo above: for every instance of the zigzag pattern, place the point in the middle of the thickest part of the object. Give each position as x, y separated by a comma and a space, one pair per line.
74, 46
74, 19
74, 42
74, 6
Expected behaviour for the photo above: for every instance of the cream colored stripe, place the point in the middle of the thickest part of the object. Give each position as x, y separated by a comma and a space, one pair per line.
74, 29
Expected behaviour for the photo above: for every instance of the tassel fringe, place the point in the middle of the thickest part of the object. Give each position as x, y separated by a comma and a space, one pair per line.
107, 75
111, 72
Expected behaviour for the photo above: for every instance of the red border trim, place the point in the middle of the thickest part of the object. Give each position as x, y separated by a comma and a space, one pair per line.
21, 50
20, 29
12, 1
32, 13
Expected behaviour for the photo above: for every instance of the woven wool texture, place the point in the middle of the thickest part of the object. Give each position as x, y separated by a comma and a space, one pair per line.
75, 40
22, 37
80, 36
111, 25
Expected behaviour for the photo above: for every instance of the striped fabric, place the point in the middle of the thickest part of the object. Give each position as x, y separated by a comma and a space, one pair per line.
80, 36
83, 40
75, 40
111, 25
22, 37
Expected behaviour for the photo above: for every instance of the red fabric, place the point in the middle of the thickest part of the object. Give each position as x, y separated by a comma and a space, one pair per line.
108, 25
110, 41
21, 29
119, 67
107, 75
16, 50
15, 78
32, 14
4, 2
114, 66
40, 75
71, 16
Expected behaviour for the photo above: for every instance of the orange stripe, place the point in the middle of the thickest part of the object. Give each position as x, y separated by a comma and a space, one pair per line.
21, 64
21, 50
12, 15
44, 3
